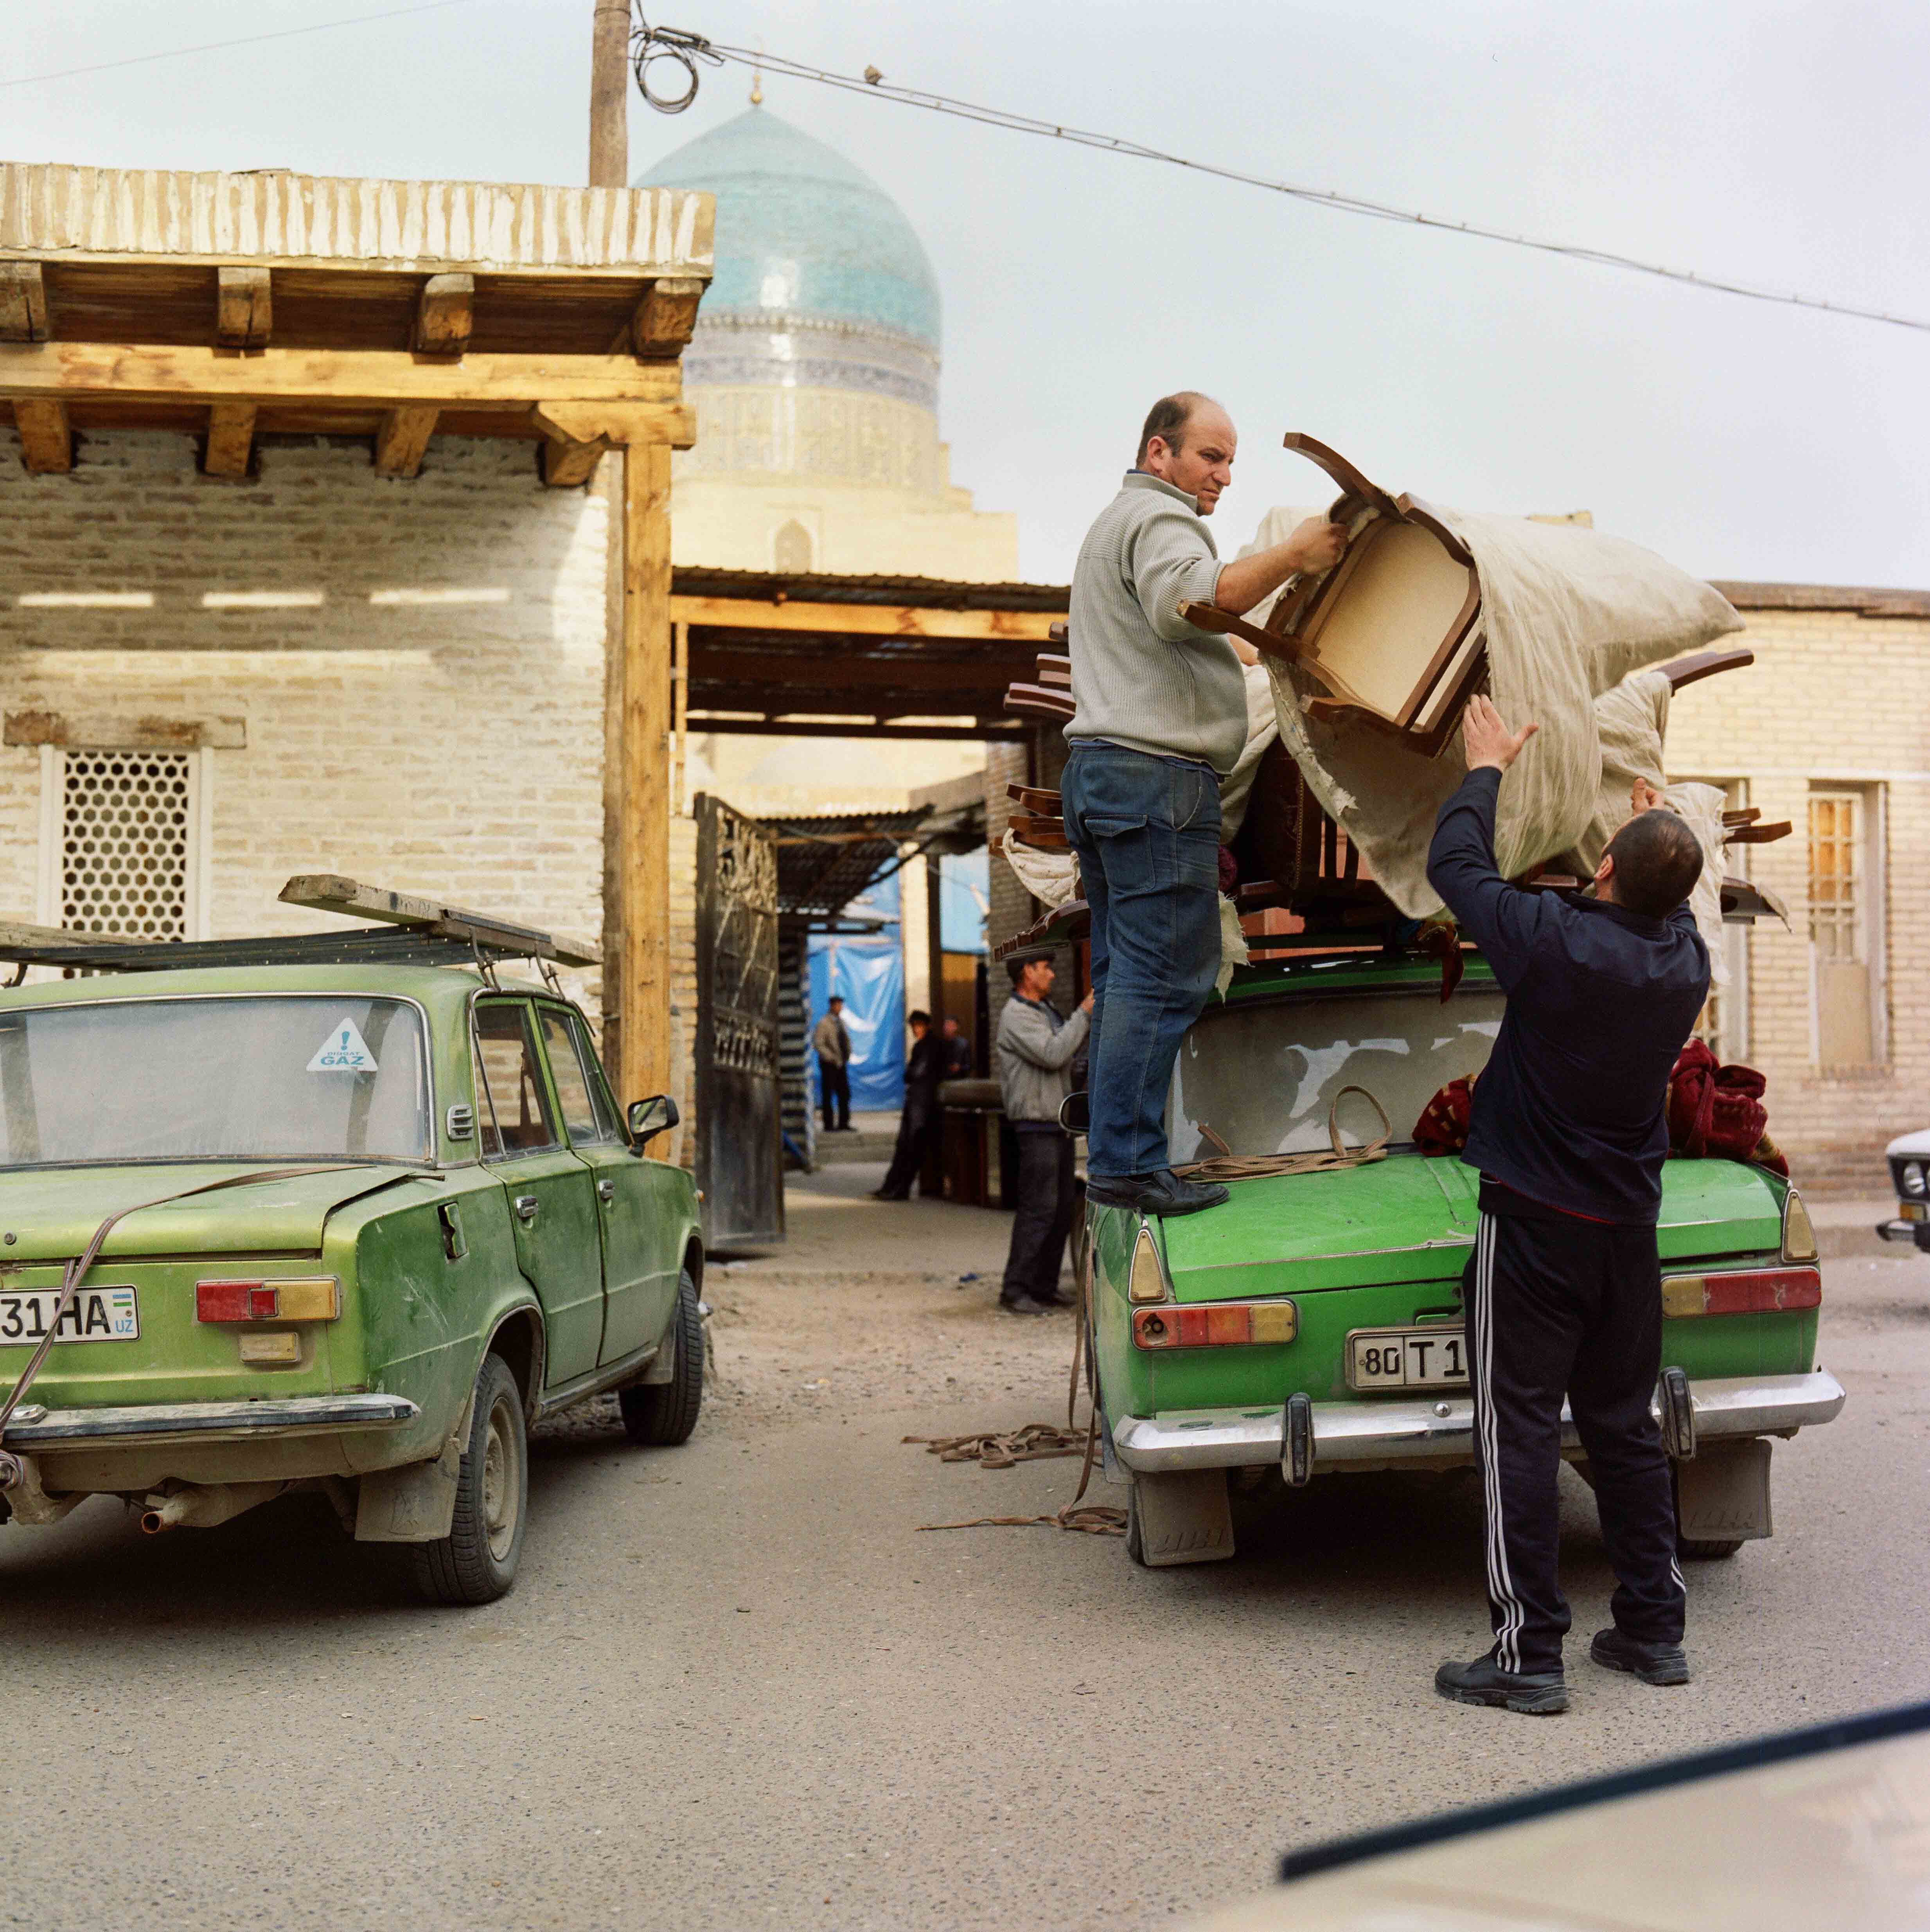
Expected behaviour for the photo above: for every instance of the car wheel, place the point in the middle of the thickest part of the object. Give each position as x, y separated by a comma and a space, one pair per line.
475, 1563
1135, 1543
1698, 1551
661, 1415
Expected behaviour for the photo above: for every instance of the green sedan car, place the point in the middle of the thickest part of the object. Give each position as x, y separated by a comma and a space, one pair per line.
344, 1228
1313, 1323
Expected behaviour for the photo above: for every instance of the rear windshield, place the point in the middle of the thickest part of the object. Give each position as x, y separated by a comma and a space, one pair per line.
1264, 1075
295, 1078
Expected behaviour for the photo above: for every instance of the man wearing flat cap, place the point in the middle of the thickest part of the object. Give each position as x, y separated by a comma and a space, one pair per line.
1034, 1053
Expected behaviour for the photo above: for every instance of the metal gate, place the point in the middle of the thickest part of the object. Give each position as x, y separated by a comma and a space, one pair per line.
739, 1152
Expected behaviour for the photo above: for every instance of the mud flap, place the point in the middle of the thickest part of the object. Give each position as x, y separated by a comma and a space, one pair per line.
1183, 1517
1723, 1496
416, 1503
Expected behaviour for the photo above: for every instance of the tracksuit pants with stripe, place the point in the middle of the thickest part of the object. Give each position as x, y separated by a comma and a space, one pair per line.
1561, 1307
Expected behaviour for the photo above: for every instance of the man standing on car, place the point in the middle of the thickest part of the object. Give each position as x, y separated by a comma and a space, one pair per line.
1161, 718
833, 1044
1563, 1291
1034, 1052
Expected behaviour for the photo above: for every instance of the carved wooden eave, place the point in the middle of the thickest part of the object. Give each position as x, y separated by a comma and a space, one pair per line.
235, 305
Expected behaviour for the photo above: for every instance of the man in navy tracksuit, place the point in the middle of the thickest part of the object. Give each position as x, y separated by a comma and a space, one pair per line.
1564, 1290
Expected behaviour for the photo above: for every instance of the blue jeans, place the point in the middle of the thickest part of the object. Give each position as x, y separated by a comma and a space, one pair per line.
1147, 832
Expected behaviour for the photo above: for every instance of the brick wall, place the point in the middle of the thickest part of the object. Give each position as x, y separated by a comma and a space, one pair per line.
1833, 698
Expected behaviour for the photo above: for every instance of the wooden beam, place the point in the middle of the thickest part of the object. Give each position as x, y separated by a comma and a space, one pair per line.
878, 620
23, 302
46, 443
230, 438
667, 316
701, 726
331, 891
826, 674
401, 440
585, 419
567, 464
20, 932
642, 396
446, 313
243, 308
129, 733
641, 983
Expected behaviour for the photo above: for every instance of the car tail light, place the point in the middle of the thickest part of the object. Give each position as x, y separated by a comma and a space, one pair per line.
1799, 1236
1147, 1280
1223, 1324
1742, 1292
309, 1297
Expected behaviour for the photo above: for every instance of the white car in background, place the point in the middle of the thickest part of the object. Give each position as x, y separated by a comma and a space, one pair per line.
1909, 1157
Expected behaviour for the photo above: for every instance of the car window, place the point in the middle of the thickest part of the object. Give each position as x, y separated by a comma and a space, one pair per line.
607, 1114
1264, 1075
582, 1119
515, 1111
243, 1077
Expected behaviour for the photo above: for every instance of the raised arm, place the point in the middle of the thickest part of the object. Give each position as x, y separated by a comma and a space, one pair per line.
1029, 1035
1501, 920
1317, 544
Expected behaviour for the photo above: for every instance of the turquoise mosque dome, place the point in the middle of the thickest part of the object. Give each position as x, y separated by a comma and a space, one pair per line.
820, 281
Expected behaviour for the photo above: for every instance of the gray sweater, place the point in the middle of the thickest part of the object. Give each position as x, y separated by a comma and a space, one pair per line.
1034, 1051
1141, 676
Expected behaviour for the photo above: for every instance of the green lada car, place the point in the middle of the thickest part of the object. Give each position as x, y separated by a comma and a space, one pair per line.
1313, 1323
373, 1222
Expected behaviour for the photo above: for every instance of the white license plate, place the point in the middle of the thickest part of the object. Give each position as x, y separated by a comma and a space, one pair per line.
96, 1314
1386, 1358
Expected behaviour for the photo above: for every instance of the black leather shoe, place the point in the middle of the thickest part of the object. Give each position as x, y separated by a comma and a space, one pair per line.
1535, 1694
879, 1194
1022, 1304
1058, 1298
1161, 1193
1652, 1663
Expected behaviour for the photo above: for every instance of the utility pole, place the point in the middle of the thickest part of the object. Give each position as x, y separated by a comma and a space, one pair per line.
610, 96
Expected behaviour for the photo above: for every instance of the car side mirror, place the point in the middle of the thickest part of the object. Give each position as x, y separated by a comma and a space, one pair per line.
1075, 1112
646, 1119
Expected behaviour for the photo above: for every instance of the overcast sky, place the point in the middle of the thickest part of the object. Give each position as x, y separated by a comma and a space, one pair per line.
1771, 141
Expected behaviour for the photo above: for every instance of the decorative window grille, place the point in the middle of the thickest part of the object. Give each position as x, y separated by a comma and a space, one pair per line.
1845, 932
124, 845
1835, 908
791, 549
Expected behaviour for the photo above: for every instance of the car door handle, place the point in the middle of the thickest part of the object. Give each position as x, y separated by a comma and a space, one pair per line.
526, 1205
606, 1190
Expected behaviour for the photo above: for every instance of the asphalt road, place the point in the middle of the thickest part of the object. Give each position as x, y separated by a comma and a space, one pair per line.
735, 1688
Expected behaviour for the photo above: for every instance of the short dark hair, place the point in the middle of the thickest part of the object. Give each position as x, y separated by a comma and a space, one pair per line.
1167, 419
836, 1000
917, 1017
1657, 863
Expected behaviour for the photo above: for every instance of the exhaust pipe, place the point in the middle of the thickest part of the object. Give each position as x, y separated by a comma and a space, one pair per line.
201, 1505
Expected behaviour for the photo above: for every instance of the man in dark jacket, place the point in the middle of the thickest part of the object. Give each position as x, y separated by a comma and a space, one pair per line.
924, 1069
1563, 1291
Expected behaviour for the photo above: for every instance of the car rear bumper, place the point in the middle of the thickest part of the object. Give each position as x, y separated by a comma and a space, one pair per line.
33, 1427
1442, 1430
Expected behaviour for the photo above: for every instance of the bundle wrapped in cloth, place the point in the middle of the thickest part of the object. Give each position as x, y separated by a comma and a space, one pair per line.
1566, 613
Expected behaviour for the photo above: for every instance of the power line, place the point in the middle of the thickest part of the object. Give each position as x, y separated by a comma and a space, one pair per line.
217, 46
659, 44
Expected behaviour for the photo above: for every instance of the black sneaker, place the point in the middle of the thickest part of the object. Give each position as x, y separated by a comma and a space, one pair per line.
1023, 1304
1652, 1663
1162, 1193
1058, 1298
1535, 1694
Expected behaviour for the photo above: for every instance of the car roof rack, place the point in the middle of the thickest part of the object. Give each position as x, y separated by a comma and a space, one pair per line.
412, 932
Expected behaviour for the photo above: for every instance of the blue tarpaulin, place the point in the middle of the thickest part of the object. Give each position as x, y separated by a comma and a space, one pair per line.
965, 886
869, 975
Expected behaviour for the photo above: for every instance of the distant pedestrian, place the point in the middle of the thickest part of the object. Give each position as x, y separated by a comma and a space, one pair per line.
1036, 1050
958, 1052
833, 1044
920, 1121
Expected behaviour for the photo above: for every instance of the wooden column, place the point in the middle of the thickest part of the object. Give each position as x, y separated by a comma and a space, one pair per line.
610, 95
641, 964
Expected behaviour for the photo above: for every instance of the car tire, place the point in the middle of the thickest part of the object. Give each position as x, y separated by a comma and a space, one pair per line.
475, 1563
661, 1415
1695, 1550
1134, 1543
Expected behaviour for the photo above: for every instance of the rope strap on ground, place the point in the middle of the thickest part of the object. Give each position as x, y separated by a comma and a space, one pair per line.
1032, 1443
1095, 1519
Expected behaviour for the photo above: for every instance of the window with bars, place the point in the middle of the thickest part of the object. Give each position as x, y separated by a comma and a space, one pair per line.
124, 842
1842, 928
